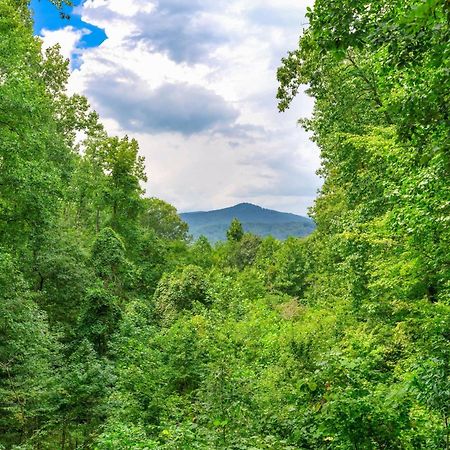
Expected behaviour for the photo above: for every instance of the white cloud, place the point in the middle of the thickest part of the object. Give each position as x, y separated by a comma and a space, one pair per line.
225, 54
127, 8
68, 38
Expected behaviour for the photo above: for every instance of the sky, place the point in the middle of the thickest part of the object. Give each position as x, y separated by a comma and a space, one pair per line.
194, 81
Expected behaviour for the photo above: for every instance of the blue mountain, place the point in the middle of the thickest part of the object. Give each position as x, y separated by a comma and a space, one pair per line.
255, 219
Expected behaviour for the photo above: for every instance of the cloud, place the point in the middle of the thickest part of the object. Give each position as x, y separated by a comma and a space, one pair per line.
203, 172
186, 31
68, 38
195, 82
274, 16
287, 172
182, 30
172, 107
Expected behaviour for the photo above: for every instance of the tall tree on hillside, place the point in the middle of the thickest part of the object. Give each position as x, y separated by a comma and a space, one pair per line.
33, 159
235, 232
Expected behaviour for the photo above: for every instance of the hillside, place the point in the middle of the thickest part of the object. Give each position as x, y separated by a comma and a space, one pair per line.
255, 219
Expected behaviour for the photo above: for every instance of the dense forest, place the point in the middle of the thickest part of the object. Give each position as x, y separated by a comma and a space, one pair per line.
119, 332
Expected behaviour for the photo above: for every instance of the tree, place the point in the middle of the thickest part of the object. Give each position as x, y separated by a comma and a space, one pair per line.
163, 219
180, 291
86, 382
116, 173
99, 318
378, 142
27, 350
62, 276
243, 252
376, 72
201, 253
110, 336
108, 257
34, 160
291, 267
235, 232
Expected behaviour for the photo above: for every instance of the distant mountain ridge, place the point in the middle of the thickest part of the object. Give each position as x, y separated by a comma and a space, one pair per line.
255, 219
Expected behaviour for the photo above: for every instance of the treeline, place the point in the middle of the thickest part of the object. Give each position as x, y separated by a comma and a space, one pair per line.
118, 332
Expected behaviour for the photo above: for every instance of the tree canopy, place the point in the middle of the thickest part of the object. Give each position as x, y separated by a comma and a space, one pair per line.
119, 332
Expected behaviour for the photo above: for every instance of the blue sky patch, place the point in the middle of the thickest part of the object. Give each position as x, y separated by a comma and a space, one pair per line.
47, 16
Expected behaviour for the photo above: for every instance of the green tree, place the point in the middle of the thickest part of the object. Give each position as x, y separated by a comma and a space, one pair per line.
243, 252
201, 253
235, 232
180, 291
108, 257
27, 354
99, 318
163, 219
87, 380
376, 73
112, 180
34, 160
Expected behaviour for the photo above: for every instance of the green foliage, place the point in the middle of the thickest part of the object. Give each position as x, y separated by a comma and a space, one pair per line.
180, 291
245, 251
99, 318
108, 254
117, 170
62, 275
382, 246
241, 253
86, 382
291, 268
235, 232
27, 351
153, 256
164, 220
201, 253
120, 436
33, 160
117, 332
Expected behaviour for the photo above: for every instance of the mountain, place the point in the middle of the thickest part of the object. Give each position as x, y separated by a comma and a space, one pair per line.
257, 220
